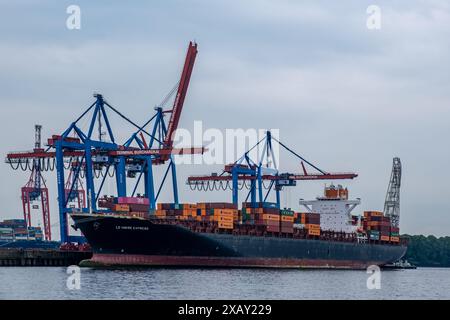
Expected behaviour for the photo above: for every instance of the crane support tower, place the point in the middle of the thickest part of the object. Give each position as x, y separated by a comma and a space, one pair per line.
392, 202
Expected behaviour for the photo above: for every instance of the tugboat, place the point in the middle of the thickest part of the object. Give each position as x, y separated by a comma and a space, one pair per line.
401, 264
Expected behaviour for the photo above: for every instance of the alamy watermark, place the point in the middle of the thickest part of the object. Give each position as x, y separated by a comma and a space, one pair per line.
73, 281
373, 21
73, 21
227, 145
374, 280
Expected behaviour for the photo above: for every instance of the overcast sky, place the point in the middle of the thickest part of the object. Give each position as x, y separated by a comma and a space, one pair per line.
345, 97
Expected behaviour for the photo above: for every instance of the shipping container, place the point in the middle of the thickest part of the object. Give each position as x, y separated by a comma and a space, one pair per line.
121, 207
273, 228
271, 217
373, 214
287, 230
312, 226
225, 225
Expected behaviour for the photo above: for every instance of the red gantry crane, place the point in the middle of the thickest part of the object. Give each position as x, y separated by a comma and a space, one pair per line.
35, 190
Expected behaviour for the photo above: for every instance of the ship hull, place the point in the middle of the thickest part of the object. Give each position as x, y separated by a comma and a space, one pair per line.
118, 241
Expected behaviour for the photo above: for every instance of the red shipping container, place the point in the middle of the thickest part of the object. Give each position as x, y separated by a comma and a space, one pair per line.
139, 207
273, 228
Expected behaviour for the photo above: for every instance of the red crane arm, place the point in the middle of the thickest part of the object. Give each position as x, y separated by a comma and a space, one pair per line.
181, 94
126, 152
328, 176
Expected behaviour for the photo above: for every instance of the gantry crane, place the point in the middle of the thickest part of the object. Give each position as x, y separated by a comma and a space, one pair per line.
35, 190
392, 202
249, 173
74, 191
104, 157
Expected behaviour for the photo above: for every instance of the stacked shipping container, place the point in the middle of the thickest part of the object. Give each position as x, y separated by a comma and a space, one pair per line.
16, 229
225, 214
309, 221
264, 215
379, 228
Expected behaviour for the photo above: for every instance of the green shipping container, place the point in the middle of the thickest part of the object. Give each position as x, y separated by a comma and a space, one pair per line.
286, 212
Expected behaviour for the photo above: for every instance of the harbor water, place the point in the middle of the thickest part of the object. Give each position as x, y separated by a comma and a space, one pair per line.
160, 283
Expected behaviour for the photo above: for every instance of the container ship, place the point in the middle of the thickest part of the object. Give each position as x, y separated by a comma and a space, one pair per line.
125, 230
326, 235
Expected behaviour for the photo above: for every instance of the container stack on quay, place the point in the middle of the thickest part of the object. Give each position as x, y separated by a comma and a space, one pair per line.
16, 229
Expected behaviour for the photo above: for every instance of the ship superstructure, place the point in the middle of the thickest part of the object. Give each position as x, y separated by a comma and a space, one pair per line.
334, 208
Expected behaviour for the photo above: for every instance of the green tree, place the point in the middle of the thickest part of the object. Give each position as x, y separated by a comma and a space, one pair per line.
428, 251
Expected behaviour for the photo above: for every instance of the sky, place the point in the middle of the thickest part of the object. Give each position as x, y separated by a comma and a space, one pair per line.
346, 97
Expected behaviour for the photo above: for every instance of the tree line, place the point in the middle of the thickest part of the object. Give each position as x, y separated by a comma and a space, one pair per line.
428, 251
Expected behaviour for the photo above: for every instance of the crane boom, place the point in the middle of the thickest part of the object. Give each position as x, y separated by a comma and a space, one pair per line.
181, 94
328, 176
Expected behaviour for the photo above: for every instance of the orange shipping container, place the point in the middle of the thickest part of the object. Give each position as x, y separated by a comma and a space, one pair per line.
287, 219
313, 226
201, 205
225, 225
189, 206
160, 213
395, 239
224, 212
273, 217
314, 232
222, 218
373, 213
121, 207
331, 193
225, 219
384, 238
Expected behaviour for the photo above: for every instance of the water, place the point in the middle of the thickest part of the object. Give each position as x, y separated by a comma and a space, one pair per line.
50, 283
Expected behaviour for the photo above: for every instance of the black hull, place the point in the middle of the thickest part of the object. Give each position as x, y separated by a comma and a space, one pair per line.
129, 241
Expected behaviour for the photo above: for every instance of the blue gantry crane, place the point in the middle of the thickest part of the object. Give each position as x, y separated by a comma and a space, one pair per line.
261, 175
98, 159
